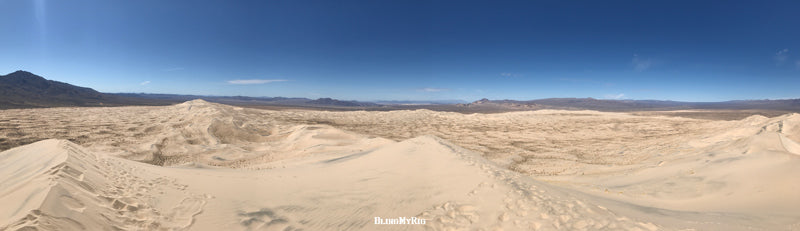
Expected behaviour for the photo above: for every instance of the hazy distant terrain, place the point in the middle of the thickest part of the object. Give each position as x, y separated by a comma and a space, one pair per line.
26, 90
640, 105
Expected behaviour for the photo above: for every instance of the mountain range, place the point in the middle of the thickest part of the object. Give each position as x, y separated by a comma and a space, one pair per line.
637, 105
22, 89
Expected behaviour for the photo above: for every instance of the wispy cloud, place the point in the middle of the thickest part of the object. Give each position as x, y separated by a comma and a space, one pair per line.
173, 69
254, 81
613, 96
429, 89
781, 56
144, 83
508, 74
640, 64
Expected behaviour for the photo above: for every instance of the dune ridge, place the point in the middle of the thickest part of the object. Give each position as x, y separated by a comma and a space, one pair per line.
56, 185
450, 187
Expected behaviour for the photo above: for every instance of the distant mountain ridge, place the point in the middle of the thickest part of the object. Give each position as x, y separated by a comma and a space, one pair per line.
419, 102
22, 89
634, 105
341, 103
254, 101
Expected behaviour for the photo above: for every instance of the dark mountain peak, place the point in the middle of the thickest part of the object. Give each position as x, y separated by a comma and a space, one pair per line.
22, 75
21, 72
24, 89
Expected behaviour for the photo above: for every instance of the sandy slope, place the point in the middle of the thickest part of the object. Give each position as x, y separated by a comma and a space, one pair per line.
423, 177
752, 169
244, 169
56, 185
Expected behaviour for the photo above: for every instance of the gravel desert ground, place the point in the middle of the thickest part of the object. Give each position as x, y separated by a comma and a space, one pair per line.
207, 166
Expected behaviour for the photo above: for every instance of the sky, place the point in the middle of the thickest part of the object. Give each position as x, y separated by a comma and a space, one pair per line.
411, 50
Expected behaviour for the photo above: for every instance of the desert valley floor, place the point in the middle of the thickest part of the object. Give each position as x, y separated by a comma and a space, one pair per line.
206, 166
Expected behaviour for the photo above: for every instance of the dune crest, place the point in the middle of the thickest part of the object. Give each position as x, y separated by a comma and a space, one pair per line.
199, 132
56, 185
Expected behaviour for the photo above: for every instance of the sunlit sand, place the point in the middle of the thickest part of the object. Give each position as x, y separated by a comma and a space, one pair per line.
206, 166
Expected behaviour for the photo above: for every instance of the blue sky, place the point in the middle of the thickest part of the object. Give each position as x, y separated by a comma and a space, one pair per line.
412, 50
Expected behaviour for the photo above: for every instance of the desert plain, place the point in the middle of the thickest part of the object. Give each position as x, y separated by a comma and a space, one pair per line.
207, 166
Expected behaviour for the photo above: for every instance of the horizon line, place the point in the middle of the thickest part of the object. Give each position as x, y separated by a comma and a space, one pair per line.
438, 100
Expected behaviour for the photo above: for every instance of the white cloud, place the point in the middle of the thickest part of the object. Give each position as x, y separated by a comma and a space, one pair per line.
144, 83
617, 96
254, 81
428, 89
641, 64
781, 56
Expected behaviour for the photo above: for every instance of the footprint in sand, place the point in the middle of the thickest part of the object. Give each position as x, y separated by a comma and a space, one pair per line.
267, 219
72, 203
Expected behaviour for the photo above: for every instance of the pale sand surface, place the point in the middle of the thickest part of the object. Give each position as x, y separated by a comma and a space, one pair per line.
210, 167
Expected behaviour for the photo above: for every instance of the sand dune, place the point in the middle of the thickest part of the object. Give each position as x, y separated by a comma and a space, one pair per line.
751, 169
423, 177
56, 185
205, 166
